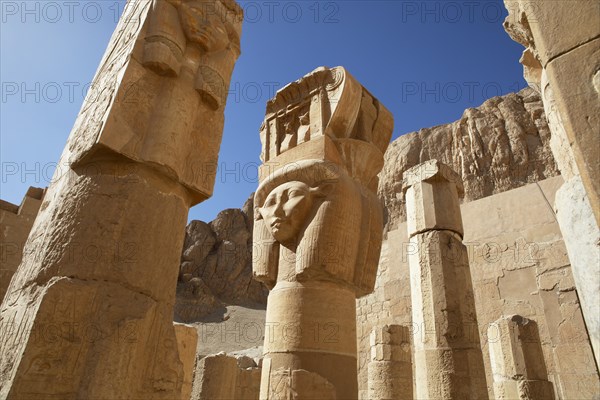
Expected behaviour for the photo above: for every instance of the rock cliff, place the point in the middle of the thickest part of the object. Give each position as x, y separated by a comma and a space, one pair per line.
501, 145
216, 266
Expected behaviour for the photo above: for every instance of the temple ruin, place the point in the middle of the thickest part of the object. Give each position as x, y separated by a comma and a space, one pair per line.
458, 262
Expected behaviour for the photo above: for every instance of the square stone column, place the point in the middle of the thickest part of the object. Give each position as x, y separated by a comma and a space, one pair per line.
448, 358
517, 360
89, 311
390, 365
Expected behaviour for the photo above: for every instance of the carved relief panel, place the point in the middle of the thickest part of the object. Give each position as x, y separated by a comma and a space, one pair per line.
164, 104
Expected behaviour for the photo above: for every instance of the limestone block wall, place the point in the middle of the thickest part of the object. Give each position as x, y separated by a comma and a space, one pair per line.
519, 265
562, 60
15, 225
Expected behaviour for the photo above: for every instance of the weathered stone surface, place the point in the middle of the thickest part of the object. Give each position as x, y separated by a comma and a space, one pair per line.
226, 376
498, 146
248, 210
552, 28
194, 300
509, 237
199, 241
582, 240
318, 228
448, 357
518, 242
578, 102
294, 384
517, 360
389, 304
427, 187
215, 378
164, 40
187, 341
103, 254
563, 63
15, 225
390, 366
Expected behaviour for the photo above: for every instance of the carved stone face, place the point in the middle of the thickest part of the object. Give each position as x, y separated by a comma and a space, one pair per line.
203, 24
286, 208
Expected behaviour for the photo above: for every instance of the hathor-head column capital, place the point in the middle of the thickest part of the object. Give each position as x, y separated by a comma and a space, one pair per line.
432, 192
318, 228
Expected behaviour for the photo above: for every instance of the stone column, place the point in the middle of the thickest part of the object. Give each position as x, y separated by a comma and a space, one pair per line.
390, 366
89, 312
16, 222
187, 342
517, 360
448, 358
318, 230
562, 61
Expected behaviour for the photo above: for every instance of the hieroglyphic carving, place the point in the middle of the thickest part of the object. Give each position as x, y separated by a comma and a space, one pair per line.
299, 384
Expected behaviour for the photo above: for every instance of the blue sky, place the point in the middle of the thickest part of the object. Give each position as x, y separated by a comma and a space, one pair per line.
426, 61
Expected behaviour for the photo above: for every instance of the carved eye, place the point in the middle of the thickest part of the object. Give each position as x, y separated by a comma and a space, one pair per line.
295, 193
270, 202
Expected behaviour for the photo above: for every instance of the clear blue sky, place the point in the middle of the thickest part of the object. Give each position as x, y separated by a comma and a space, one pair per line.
426, 61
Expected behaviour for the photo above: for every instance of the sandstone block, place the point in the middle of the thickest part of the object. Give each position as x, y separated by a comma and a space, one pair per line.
106, 246
390, 381
437, 375
215, 378
432, 198
15, 225
523, 389
556, 27
74, 320
187, 340
390, 366
577, 99
581, 236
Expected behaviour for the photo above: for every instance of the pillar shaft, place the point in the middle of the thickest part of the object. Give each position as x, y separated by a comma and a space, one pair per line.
517, 360
390, 365
92, 297
448, 357
322, 341
89, 312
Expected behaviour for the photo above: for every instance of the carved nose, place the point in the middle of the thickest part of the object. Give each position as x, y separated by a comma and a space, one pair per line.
278, 211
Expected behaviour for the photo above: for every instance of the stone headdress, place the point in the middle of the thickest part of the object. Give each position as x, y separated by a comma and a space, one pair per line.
340, 145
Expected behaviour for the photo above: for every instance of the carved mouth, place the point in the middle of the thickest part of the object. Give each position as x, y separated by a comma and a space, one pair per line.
276, 224
202, 34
